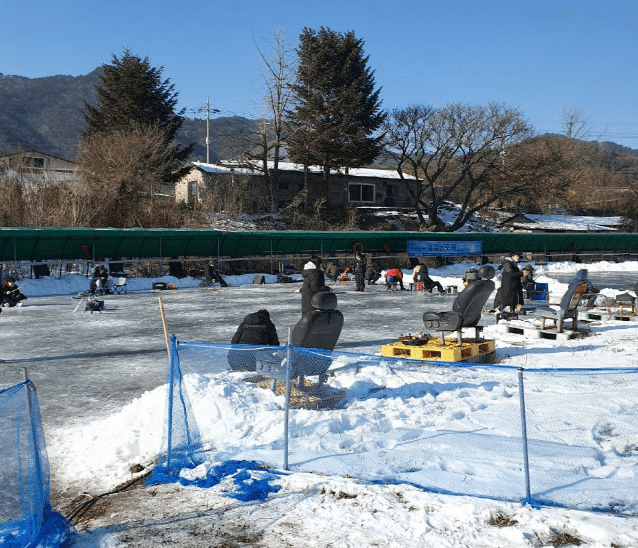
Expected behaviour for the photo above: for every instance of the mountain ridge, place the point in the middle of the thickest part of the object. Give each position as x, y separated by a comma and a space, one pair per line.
45, 114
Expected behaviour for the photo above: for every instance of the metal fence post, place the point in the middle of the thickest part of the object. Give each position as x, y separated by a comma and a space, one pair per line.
287, 399
521, 394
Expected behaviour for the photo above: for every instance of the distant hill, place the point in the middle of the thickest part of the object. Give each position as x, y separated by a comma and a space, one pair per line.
618, 149
45, 114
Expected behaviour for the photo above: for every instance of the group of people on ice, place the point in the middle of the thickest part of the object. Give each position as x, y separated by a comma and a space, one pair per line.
516, 285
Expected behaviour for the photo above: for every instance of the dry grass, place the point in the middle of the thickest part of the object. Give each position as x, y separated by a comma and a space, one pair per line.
500, 520
307, 396
565, 539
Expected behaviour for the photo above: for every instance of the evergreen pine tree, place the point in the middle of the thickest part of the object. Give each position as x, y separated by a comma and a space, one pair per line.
337, 112
132, 94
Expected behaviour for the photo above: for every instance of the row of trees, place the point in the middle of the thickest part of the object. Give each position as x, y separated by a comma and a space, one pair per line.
326, 111
322, 108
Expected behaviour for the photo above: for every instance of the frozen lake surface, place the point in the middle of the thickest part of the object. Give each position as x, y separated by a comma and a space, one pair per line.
89, 365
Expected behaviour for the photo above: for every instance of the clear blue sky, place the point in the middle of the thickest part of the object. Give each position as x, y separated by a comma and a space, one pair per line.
538, 56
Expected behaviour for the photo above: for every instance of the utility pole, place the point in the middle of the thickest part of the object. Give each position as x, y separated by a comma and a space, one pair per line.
207, 130
208, 111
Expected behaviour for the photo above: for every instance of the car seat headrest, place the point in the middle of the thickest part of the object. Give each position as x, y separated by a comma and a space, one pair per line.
486, 272
326, 300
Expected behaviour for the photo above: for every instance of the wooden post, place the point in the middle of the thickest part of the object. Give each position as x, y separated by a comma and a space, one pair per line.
168, 346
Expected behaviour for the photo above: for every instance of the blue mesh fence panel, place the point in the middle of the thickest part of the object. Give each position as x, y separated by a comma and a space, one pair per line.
344, 417
583, 438
26, 517
181, 442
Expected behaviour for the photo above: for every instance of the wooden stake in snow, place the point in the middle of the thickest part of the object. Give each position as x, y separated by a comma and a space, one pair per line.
168, 346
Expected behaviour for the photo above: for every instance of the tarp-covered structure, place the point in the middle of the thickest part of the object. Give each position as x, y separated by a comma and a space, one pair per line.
36, 244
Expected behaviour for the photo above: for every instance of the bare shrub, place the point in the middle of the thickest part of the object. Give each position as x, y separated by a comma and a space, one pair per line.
121, 179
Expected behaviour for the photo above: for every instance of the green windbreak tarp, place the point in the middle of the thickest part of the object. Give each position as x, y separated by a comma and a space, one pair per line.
247, 243
85, 243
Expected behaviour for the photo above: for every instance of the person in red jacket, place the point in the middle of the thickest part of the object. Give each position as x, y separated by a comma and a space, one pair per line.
394, 275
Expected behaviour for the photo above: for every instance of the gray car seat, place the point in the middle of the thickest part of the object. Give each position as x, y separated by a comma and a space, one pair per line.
467, 307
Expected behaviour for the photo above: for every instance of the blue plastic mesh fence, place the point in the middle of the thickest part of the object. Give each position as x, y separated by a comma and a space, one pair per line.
465, 436
583, 437
26, 517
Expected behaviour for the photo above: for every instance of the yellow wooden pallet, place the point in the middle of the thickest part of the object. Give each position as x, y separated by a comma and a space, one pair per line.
434, 351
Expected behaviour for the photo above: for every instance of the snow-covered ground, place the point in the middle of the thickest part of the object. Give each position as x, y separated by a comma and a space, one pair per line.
100, 384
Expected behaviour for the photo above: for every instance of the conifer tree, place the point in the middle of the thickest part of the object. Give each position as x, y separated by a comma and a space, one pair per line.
337, 111
133, 94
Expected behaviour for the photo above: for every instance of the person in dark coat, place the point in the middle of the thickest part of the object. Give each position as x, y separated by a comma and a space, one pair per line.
360, 266
510, 294
332, 271
527, 281
99, 279
372, 273
212, 275
314, 281
470, 276
256, 329
11, 295
429, 284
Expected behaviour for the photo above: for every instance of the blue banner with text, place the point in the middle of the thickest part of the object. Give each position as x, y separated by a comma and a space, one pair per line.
425, 248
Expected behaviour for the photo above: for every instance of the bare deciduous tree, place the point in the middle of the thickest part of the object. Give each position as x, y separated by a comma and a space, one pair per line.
575, 126
121, 172
459, 153
278, 74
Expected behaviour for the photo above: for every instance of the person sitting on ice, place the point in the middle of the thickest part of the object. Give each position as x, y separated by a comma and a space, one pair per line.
471, 275
393, 276
11, 295
256, 329
429, 284
99, 279
591, 293
212, 275
332, 271
372, 273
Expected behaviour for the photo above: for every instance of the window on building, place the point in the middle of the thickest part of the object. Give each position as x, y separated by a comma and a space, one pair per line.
33, 161
361, 192
392, 190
